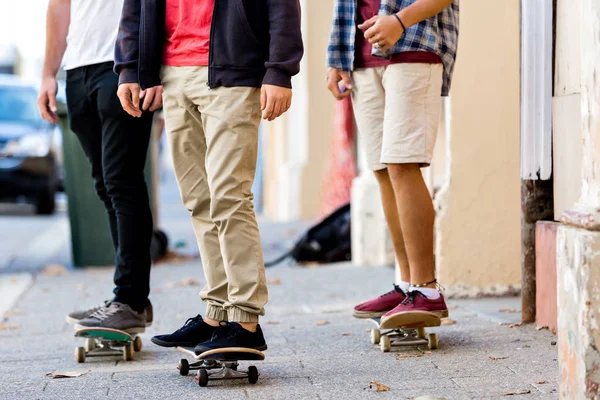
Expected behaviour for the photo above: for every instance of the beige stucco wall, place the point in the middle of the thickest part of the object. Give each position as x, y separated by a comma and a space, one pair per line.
479, 232
297, 145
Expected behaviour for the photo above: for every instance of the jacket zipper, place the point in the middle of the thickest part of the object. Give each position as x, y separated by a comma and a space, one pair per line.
210, 82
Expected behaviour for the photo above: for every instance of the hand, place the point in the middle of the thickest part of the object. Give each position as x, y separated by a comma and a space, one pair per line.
152, 98
47, 100
129, 96
334, 77
274, 101
384, 30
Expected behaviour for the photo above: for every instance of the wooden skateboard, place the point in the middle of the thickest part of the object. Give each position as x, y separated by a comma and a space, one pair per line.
405, 330
101, 342
220, 364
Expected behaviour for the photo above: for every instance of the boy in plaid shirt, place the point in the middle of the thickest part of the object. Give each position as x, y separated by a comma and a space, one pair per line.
396, 66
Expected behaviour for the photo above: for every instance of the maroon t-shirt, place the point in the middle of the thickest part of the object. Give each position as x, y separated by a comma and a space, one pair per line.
363, 58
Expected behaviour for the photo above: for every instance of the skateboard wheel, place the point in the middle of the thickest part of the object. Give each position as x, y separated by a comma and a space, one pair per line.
421, 333
385, 344
375, 336
202, 377
183, 367
137, 343
80, 354
432, 341
90, 345
128, 352
252, 374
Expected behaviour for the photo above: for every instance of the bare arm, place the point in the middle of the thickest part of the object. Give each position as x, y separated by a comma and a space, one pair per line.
385, 31
421, 10
58, 18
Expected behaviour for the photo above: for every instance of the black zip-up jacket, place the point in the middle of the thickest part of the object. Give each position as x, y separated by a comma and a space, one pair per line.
252, 42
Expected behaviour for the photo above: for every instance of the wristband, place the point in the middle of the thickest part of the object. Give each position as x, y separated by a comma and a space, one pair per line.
401, 23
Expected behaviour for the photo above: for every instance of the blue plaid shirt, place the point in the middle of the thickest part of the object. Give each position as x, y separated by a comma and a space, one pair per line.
438, 35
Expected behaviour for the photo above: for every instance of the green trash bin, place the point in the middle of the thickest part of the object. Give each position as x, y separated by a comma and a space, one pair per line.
91, 242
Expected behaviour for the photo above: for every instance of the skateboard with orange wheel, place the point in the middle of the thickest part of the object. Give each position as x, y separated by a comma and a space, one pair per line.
101, 342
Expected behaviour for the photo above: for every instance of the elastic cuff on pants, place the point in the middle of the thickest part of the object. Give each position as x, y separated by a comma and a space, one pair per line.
216, 313
238, 315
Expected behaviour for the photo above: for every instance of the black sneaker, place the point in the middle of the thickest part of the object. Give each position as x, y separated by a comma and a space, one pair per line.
194, 331
231, 334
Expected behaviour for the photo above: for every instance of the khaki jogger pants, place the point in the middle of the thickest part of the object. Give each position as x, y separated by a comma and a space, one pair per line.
213, 135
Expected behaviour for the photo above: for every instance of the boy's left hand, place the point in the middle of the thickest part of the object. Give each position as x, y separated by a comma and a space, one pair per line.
274, 101
383, 31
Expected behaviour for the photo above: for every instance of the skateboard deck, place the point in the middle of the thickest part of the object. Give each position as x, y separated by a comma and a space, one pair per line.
220, 364
100, 342
405, 331
422, 319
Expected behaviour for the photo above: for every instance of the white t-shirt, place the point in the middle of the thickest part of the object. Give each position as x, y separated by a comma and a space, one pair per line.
92, 32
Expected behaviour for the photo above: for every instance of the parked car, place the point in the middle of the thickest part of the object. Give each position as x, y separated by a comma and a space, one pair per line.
30, 153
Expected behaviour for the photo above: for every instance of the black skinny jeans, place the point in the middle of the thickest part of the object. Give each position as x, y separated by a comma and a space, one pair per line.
116, 145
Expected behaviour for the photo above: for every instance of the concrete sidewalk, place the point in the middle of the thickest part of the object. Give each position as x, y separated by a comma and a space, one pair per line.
316, 349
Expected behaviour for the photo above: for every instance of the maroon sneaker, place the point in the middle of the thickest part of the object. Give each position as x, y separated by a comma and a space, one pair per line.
380, 305
416, 310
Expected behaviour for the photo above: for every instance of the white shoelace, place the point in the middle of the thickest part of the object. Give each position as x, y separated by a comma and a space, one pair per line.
106, 311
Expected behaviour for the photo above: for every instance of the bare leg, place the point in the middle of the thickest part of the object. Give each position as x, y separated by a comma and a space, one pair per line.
417, 216
390, 209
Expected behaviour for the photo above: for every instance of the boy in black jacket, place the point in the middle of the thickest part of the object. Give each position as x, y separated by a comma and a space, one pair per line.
223, 65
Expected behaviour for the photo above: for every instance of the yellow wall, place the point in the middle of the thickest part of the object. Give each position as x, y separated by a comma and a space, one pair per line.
479, 231
297, 146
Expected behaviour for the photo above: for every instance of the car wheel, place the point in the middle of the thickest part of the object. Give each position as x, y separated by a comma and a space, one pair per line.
45, 203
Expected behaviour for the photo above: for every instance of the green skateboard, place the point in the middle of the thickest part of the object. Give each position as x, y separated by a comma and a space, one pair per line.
220, 364
405, 330
101, 342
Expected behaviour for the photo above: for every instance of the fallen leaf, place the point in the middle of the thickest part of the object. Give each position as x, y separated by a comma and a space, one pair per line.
511, 310
275, 281
426, 351
9, 314
60, 375
190, 282
515, 325
8, 327
346, 333
540, 382
403, 356
497, 358
321, 323
541, 328
553, 343
53, 270
45, 290
186, 282
516, 393
272, 323
448, 321
172, 257
379, 387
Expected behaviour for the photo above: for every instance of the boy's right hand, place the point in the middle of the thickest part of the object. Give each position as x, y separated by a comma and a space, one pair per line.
47, 100
334, 77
